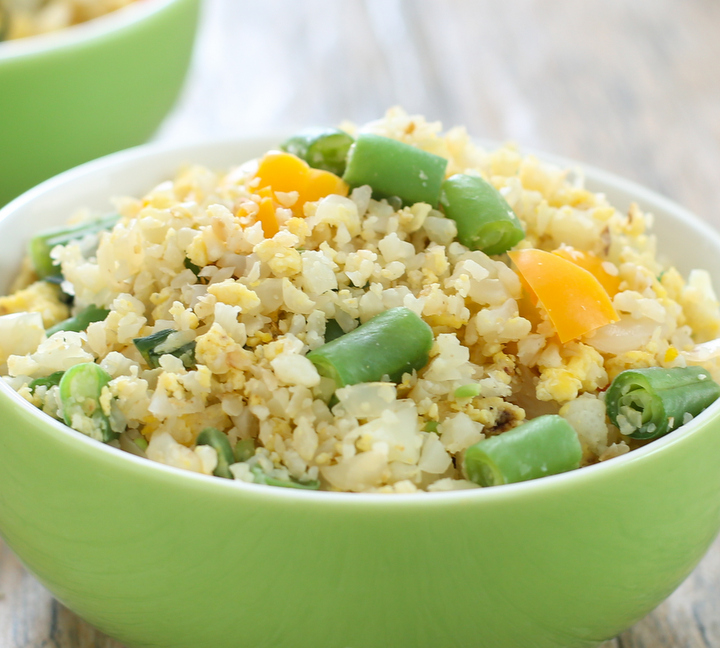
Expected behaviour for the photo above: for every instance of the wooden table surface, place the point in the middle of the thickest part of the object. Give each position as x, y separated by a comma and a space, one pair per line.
629, 85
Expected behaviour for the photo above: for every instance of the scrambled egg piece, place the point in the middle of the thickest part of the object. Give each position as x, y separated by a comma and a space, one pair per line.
580, 368
41, 297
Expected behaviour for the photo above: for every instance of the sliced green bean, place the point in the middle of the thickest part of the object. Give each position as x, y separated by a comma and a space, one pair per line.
154, 346
395, 202
244, 449
431, 426
393, 168
321, 148
390, 344
216, 439
47, 381
648, 403
546, 445
191, 266
81, 321
333, 331
42, 244
259, 477
468, 391
484, 219
80, 390
195, 270
141, 442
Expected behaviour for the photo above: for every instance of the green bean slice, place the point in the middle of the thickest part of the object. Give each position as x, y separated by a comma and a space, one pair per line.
333, 331
431, 426
648, 403
468, 391
321, 148
218, 440
81, 321
546, 445
259, 477
393, 168
484, 219
47, 381
244, 449
41, 245
80, 390
191, 266
152, 347
390, 344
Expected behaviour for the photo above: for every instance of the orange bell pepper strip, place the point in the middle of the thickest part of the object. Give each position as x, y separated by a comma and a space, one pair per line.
594, 265
283, 172
574, 299
286, 172
267, 218
323, 183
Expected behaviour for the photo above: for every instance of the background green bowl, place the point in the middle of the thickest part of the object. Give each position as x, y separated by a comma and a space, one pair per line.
76, 94
160, 557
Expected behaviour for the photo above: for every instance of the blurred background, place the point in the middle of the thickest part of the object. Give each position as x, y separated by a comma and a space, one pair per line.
631, 86
628, 85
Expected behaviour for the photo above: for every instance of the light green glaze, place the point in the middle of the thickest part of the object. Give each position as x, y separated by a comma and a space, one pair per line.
163, 558
90, 94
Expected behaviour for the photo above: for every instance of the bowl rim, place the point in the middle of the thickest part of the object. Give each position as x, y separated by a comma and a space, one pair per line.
76, 35
421, 498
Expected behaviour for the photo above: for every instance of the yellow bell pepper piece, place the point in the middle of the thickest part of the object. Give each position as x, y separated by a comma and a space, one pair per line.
267, 218
594, 265
574, 299
323, 183
283, 172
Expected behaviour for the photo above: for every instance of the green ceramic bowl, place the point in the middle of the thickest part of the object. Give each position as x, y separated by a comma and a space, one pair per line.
159, 557
76, 94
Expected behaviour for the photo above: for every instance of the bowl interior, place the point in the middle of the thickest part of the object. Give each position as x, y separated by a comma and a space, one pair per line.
683, 239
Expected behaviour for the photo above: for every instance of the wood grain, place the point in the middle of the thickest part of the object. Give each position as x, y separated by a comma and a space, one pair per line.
628, 85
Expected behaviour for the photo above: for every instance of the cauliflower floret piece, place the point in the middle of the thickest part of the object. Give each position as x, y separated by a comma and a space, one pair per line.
318, 274
499, 325
217, 350
358, 473
586, 414
20, 334
459, 432
294, 369
397, 428
177, 394
701, 306
280, 254
58, 353
164, 449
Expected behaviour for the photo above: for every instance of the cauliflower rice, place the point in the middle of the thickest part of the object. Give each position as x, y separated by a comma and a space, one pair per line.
258, 305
